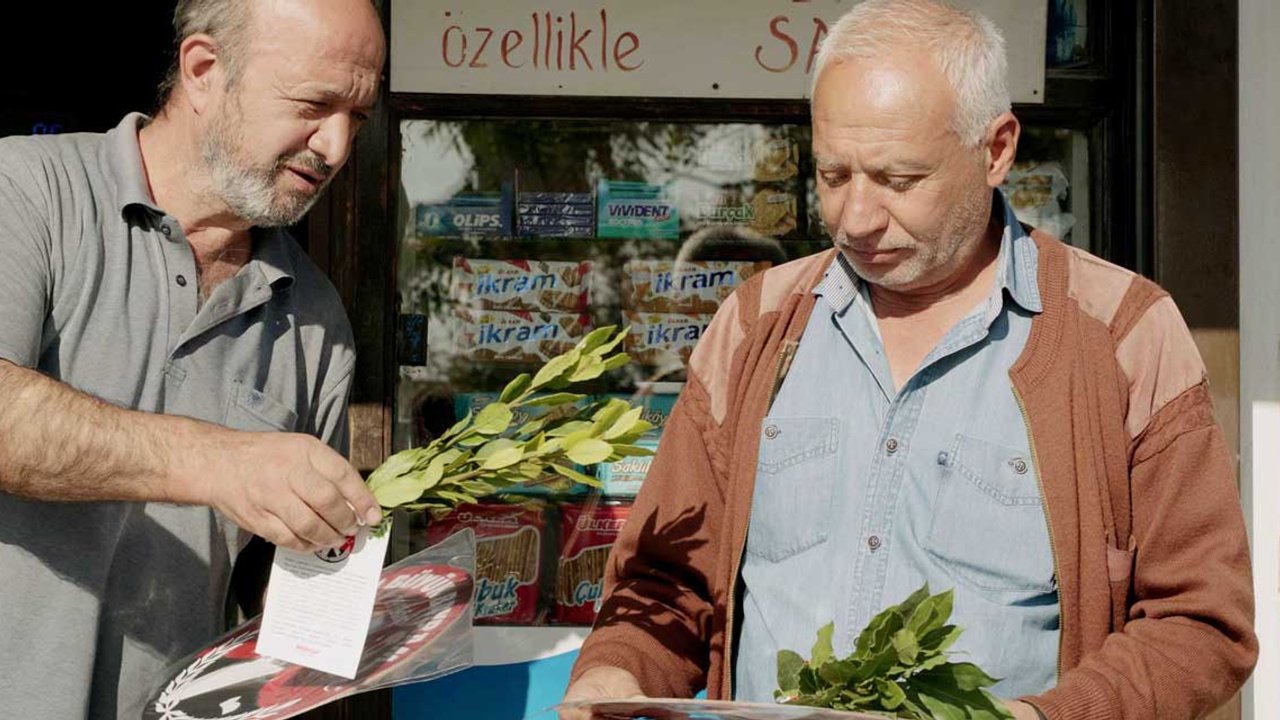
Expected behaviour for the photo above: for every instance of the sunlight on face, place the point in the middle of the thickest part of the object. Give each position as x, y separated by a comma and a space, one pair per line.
900, 194
274, 142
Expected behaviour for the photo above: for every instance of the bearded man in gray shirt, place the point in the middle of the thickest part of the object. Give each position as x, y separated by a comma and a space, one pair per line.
170, 360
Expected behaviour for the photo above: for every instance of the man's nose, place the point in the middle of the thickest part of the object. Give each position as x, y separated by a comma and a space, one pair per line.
332, 140
862, 212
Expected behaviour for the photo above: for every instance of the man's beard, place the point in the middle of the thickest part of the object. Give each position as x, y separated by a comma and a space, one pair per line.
250, 191
932, 252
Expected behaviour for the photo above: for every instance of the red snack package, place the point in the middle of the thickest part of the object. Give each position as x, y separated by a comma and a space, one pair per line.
587, 534
508, 557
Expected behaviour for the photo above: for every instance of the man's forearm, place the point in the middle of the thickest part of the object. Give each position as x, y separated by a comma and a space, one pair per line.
57, 443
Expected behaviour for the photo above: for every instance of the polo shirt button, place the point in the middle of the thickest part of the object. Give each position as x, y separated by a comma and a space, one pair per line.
181, 280
873, 542
891, 445
165, 229
1020, 466
771, 432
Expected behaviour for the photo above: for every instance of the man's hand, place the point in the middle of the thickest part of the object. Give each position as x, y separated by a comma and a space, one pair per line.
1022, 711
293, 490
600, 683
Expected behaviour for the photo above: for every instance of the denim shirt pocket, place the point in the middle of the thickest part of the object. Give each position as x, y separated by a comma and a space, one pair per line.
795, 471
989, 527
251, 410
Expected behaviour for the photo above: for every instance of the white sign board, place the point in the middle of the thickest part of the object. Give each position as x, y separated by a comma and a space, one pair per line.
650, 48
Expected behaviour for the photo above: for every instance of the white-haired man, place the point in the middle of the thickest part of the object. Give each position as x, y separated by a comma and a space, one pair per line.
942, 398
165, 349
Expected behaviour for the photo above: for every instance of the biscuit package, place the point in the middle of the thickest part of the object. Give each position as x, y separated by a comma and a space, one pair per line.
776, 159
587, 534
774, 212
517, 336
663, 338
530, 285
508, 557
696, 287
623, 478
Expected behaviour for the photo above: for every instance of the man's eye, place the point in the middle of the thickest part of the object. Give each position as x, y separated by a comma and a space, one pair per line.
834, 179
901, 184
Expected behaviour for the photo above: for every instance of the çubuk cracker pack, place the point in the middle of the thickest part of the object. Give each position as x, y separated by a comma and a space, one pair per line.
587, 533
508, 557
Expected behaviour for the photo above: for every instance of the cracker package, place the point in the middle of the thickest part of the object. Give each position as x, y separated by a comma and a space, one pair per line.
774, 212
776, 159
587, 534
663, 338
697, 287
508, 557
622, 479
521, 284
516, 336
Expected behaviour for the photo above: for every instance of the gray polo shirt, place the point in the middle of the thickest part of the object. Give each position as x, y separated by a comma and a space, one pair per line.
98, 289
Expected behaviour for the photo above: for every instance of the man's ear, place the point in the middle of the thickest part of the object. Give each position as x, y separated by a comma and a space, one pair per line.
200, 71
1001, 143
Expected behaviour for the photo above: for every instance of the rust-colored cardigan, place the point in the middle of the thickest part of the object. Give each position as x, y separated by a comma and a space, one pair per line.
1151, 553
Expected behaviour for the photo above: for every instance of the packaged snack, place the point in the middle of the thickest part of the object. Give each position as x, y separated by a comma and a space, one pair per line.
587, 534
546, 214
624, 477
516, 336
521, 284
656, 408
661, 338
776, 159
468, 215
722, 209
696, 287
635, 210
508, 557
775, 212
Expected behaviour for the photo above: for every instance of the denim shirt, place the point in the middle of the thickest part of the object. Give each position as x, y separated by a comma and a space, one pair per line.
863, 494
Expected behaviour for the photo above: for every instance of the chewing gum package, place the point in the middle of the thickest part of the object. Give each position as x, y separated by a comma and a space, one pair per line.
635, 210
467, 215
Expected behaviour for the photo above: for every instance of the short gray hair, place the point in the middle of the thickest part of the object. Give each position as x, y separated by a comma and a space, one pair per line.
968, 48
228, 22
